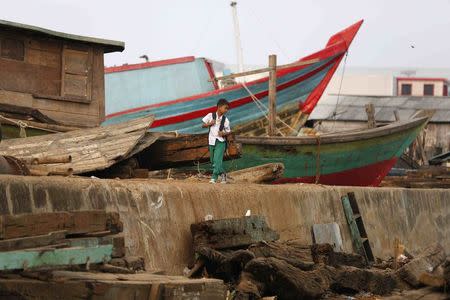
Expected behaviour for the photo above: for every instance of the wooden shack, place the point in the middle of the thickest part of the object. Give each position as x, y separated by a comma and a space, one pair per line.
58, 74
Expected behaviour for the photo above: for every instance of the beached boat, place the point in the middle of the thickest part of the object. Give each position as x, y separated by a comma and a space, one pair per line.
298, 85
354, 158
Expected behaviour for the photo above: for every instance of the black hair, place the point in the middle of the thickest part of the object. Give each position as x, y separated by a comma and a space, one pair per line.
222, 102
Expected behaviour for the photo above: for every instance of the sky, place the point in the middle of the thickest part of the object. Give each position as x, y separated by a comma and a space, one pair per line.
396, 33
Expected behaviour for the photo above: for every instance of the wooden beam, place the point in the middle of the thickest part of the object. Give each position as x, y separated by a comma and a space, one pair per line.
396, 115
232, 233
263, 70
24, 259
272, 94
75, 222
370, 110
33, 242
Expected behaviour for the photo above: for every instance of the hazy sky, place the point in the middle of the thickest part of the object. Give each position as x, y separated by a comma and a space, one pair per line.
172, 28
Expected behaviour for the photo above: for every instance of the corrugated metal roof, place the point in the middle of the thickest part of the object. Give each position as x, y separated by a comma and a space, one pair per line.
108, 45
352, 108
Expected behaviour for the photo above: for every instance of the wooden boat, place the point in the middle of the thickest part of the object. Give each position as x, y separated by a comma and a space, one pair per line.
354, 158
299, 85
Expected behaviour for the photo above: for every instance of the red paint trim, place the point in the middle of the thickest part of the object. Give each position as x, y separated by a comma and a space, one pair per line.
150, 64
421, 79
210, 69
370, 175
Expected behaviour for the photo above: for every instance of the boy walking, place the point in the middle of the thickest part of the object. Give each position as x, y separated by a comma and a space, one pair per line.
219, 128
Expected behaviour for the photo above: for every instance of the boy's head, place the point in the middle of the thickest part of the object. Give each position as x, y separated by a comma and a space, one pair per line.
223, 106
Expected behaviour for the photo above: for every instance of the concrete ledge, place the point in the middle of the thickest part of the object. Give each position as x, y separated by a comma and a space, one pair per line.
157, 214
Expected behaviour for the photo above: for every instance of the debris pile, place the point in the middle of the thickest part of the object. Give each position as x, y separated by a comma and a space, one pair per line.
81, 255
425, 177
247, 255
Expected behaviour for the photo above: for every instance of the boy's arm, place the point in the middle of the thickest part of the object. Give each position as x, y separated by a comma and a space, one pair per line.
208, 121
226, 130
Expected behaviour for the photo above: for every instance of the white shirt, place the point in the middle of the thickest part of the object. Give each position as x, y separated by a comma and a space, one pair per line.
214, 130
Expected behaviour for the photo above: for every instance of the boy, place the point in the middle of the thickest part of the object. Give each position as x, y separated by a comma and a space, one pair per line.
219, 128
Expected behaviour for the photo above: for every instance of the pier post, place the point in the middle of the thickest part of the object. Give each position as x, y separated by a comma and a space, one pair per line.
272, 94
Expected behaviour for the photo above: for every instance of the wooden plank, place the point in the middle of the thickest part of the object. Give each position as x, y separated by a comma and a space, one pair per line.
76, 62
232, 233
25, 259
117, 241
98, 82
370, 110
272, 95
32, 242
77, 222
353, 227
259, 174
263, 70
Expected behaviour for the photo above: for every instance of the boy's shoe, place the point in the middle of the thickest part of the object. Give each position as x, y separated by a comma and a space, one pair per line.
212, 181
223, 178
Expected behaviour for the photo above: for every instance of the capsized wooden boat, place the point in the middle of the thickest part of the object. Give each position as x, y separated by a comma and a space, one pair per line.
354, 158
300, 85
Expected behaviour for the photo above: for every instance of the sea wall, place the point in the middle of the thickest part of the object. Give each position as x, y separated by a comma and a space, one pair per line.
157, 214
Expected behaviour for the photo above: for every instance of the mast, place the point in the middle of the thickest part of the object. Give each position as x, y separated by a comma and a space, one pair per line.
237, 37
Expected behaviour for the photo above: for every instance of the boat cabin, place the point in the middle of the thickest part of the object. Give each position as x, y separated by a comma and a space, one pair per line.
149, 84
58, 74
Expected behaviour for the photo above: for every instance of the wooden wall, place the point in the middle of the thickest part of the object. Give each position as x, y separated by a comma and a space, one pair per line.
63, 79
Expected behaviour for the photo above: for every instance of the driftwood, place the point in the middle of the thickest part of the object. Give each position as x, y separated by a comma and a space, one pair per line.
324, 253
279, 278
259, 174
425, 262
297, 255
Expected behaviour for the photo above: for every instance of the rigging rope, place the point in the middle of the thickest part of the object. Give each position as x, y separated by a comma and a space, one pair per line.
264, 109
339, 91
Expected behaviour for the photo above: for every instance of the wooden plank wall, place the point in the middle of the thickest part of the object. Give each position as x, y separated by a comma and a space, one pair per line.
64, 80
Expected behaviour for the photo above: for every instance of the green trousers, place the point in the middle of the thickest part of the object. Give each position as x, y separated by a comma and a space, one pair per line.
216, 156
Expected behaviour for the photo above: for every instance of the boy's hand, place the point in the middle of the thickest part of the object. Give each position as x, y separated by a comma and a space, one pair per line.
222, 134
211, 123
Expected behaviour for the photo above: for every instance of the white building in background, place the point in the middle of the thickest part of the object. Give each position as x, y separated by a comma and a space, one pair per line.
423, 86
359, 81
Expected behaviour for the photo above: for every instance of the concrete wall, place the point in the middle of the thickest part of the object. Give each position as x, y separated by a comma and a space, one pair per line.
157, 214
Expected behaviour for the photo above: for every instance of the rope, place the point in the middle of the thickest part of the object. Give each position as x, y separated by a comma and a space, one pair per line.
339, 91
318, 159
264, 109
21, 124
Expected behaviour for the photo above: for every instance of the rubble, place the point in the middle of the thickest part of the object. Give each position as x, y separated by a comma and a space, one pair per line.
290, 270
426, 262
